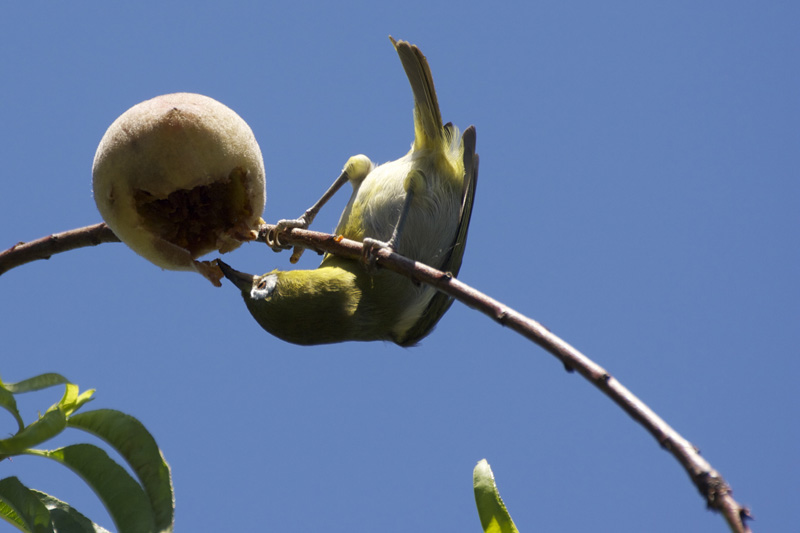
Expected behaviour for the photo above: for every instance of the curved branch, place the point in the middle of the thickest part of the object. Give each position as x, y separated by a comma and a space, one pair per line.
709, 482
25, 252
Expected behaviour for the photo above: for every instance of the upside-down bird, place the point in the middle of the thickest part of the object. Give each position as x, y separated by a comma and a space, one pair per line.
419, 205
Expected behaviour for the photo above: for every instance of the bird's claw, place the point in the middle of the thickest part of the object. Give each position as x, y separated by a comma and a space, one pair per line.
370, 249
273, 237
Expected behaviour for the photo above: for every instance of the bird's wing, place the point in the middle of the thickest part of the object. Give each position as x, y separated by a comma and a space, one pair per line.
441, 302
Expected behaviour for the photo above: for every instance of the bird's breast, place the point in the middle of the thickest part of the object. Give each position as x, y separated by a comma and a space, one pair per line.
376, 203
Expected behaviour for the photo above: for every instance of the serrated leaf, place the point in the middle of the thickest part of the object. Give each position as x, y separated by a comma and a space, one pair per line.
65, 518
491, 509
48, 426
122, 496
25, 506
35, 383
131, 439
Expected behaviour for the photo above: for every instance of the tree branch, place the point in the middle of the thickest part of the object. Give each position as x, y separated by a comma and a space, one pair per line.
714, 489
709, 482
25, 252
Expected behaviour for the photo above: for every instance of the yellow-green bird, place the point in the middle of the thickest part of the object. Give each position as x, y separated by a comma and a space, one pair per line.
419, 205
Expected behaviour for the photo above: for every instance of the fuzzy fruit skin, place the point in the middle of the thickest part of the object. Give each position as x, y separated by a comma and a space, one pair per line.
180, 165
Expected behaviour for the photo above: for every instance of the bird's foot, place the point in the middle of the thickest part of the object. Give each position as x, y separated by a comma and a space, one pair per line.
274, 241
371, 247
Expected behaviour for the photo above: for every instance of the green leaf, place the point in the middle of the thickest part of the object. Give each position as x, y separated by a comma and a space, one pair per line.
48, 426
491, 509
84, 397
23, 508
8, 514
65, 518
39, 382
8, 403
72, 401
133, 442
69, 398
122, 496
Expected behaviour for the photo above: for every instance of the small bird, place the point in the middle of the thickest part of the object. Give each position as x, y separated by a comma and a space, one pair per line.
419, 206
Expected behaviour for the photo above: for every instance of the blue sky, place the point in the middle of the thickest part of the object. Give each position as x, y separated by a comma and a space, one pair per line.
638, 195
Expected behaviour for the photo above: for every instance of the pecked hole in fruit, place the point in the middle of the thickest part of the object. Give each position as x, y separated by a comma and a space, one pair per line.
194, 219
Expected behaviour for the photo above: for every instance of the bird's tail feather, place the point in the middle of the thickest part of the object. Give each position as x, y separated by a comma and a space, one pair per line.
428, 133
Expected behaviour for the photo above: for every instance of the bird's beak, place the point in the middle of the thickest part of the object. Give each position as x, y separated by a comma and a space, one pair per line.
240, 279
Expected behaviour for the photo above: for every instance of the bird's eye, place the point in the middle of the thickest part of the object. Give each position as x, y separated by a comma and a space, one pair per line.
263, 288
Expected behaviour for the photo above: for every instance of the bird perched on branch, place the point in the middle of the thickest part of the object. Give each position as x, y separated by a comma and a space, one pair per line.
418, 205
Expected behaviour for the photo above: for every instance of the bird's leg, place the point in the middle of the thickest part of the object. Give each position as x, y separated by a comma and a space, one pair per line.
305, 220
415, 182
355, 170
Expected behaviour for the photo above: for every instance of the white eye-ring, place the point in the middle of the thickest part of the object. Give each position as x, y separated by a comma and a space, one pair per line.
263, 287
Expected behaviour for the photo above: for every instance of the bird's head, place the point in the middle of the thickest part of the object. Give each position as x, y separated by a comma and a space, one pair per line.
252, 287
300, 306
